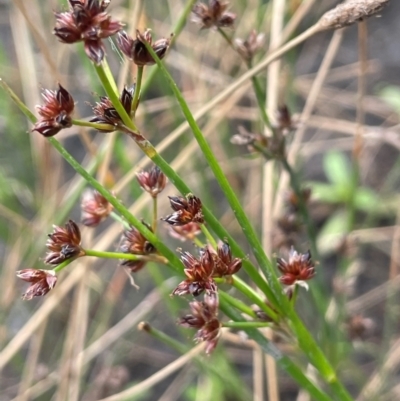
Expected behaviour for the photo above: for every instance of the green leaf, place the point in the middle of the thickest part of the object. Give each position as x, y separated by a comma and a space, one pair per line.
338, 169
332, 233
391, 95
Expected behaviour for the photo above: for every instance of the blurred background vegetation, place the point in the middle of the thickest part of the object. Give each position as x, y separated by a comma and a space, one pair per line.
82, 342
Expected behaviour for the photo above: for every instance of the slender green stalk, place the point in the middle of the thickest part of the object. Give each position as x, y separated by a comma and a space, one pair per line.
62, 265
175, 179
128, 256
282, 361
208, 235
245, 325
136, 97
254, 80
99, 127
119, 207
155, 218
120, 220
306, 341
239, 305
254, 296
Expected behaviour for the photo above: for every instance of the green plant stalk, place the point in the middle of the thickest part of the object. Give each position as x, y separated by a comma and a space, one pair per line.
178, 28
119, 207
306, 341
149, 150
118, 218
254, 296
127, 256
136, 97
208, 236
154, 224
246, 325
99, 127
61, 266
254, 80
282, 361
239, 305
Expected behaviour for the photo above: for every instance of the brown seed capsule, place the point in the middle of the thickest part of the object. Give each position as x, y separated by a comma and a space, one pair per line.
225, 264
56, 112
106, 113
152, 181
204, 317
135, 243
87, 21
187, 210
136, 50
298, 268
94, 208
42, 281
214, 15
249, 47
198, 272
64, 243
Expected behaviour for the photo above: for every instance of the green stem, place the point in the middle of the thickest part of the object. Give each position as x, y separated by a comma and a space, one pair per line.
255, 297
239, 305
135, 102
306, 341
61, 266
254, 80
208, 235
99, 127
154, 225
245, 325
128, 256
175, 179
282, 361
119, 207
118, 218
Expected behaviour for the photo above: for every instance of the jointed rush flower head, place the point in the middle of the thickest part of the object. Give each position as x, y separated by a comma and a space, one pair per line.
198, 272
42, 281
135, 49
107, 114
297, 269
56, 112
225, 264
187, 210
204, 317
152, 181
249, 47
94, 208
213, 15
135, 243
87, 21
186, 232
64, 243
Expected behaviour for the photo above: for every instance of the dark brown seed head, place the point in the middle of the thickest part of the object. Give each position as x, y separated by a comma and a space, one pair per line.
249, 47
55, 113
215, 15
198, 272
298, 268
225, 264
135, 243
106, 113
152, 181
87, 21
94, 208
64, 243
42, 281
204, 317
187, 210
135, 49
